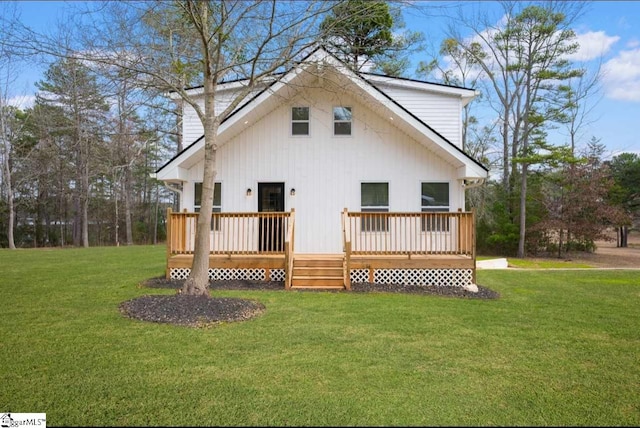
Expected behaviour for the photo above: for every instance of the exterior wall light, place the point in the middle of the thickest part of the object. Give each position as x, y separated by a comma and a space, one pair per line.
292, 192
249, 191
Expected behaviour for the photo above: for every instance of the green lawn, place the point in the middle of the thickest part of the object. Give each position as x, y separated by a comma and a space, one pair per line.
540, 264
546, 264
558, 348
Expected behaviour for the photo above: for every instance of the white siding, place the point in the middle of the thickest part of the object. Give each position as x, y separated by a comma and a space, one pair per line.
441, 112
326, 171
192, 128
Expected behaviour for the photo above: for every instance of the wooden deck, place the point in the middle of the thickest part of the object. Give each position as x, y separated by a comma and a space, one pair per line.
403, 247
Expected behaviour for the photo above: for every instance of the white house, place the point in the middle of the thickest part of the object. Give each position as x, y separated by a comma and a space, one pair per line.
320, 139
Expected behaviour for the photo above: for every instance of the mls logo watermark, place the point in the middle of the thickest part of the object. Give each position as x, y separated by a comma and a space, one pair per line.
11, 420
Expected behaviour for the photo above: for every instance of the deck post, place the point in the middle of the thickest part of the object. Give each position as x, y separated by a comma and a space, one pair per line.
289, 249
473, 242
168, 222
346, 234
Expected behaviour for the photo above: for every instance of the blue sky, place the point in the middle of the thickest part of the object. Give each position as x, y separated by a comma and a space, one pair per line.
609, 30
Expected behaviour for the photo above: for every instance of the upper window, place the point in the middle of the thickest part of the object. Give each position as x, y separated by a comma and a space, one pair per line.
342, 121
217, 201
374, 198
435, 198
299, 120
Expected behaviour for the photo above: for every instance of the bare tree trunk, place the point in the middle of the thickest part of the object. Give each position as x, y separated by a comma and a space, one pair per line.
85, 202
198, 281
127, 205
117, 222
523, 211
155, 217
12, 211
9, 185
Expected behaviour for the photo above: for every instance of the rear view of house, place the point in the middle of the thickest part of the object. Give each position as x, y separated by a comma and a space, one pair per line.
327, 177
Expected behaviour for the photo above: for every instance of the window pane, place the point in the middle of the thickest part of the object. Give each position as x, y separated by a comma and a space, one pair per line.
300, 128
374, 194
342, 128
197, 197
217, 195
342, 113
435, 194
300, 113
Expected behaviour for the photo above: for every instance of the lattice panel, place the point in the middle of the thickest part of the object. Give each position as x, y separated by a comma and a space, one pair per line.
223, 274
435, 277
359, 275
231, 274
252, 274
179, 273
277, 275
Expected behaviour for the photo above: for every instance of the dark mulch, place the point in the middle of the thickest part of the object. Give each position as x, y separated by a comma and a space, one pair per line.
195, 311
161, 282
361, 287
367, 287
191, 311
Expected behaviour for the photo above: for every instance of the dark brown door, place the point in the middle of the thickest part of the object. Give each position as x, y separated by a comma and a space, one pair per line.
271, 231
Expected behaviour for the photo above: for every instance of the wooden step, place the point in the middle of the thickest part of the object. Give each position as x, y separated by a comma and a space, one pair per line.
315, 287
317, 262
317, 271
317, 281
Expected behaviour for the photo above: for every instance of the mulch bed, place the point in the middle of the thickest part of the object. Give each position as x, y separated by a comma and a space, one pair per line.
191, 311
194, 311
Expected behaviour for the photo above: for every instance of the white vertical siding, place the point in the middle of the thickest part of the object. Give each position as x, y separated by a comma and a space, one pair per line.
441, 112
325, 170
192, 128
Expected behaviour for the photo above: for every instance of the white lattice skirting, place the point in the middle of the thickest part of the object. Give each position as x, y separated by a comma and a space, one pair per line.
433, 277
230, 274
359, 275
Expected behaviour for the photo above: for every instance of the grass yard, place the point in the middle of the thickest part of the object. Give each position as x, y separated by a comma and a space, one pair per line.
546, 264
558, 348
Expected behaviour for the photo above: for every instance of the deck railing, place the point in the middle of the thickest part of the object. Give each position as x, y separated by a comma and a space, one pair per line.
263, 233
346, 247
423, 233
289, 242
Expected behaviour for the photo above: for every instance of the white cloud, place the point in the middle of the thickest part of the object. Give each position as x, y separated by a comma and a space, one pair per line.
593, 44
22, 102
633, 43
621, 76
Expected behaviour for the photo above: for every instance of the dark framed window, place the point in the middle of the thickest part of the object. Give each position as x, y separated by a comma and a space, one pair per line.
435, 199
217, 201
374, 198
342, 121
299, 120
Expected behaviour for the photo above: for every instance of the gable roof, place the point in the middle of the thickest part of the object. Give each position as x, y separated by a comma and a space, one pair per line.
264, 100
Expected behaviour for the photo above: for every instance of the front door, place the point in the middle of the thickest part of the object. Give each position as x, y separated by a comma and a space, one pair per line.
271, 231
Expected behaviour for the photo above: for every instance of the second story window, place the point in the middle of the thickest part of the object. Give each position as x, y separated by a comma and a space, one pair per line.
342, 121
300, 121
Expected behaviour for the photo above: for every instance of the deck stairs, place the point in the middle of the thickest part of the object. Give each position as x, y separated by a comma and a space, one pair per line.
318, 272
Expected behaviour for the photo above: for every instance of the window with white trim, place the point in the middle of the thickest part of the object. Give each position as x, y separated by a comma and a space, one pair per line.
217, 201
374, 198
299, 120
435, 199
342, 121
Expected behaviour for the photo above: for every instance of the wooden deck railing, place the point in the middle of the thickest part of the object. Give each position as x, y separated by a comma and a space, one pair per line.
384, 233
346, 247
289, 242
263, 233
